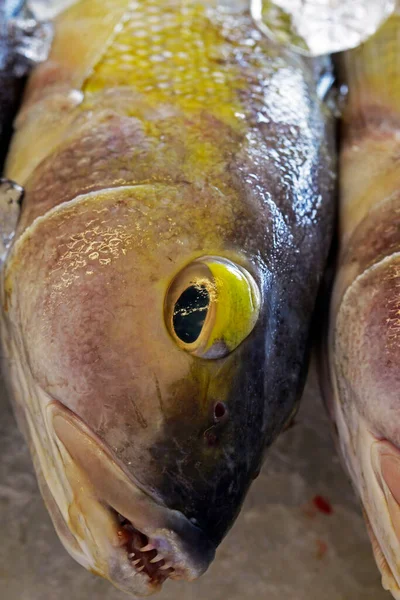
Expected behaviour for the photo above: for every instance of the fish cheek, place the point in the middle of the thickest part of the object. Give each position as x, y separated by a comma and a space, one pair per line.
367, 340
95, 328
95, 347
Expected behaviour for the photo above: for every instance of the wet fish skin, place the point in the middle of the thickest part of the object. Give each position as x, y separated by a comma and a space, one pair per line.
363, 343
141, 150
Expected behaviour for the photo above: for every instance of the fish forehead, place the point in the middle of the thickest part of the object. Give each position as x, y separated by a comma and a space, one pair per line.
252, 169
192, 56
176, 50
228, 95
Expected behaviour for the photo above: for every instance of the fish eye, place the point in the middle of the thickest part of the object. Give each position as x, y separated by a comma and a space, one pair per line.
190, 312
211, 306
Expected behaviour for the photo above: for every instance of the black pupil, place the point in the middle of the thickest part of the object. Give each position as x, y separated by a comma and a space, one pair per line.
190, 313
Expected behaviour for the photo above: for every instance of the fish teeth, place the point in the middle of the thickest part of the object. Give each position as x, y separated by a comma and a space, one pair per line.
136, 562
147, 548
140, 569
167, 565
131, 555
157, 558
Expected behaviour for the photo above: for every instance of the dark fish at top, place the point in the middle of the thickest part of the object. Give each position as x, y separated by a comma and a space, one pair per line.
178, 178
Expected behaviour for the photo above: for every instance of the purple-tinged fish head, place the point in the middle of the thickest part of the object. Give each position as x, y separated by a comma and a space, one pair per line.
159, 293
365, 403
141, 337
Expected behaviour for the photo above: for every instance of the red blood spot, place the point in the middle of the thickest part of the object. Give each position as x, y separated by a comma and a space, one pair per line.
323, 505
322, 548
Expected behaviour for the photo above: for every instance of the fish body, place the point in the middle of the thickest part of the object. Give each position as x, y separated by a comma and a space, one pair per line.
363, 398
178, 175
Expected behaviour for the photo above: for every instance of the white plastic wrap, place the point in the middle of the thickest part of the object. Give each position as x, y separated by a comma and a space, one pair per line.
316, 27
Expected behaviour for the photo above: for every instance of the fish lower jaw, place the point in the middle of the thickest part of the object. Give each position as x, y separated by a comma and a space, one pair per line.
125, 535
142, 554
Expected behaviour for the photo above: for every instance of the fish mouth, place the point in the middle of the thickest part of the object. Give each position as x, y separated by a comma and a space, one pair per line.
144, 556
111, 525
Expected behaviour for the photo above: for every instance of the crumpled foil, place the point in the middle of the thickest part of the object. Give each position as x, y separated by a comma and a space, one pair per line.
28, 40
317, 27
29, 33
45, 10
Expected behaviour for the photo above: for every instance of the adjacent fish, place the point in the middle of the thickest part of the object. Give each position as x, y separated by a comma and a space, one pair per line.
364, 336
178, 175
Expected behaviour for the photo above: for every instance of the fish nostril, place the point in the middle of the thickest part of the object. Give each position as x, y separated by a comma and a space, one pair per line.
211, 437
220, 415
220, 412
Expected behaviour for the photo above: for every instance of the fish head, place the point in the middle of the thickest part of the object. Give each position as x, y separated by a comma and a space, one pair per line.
144, 340
365, 403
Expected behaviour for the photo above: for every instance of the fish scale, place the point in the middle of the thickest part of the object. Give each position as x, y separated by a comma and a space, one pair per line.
176, 59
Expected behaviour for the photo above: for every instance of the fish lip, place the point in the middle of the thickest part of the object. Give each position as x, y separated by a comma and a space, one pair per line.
124, 540
169, 531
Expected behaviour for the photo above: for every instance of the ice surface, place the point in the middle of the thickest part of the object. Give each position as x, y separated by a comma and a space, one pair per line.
281, 548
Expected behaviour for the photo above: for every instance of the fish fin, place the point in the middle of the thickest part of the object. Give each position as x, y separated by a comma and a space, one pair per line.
372, 76
11, 195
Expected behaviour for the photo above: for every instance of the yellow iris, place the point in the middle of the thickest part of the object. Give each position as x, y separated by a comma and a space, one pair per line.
211, 306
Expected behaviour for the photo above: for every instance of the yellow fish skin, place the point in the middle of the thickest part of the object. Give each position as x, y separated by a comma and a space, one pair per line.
363, 339
178, 174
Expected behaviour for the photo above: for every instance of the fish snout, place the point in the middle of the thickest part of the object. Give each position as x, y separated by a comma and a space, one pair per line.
180, 550
130, 537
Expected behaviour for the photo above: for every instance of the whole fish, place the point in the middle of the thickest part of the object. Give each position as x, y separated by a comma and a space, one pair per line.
178, 175
364, 336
